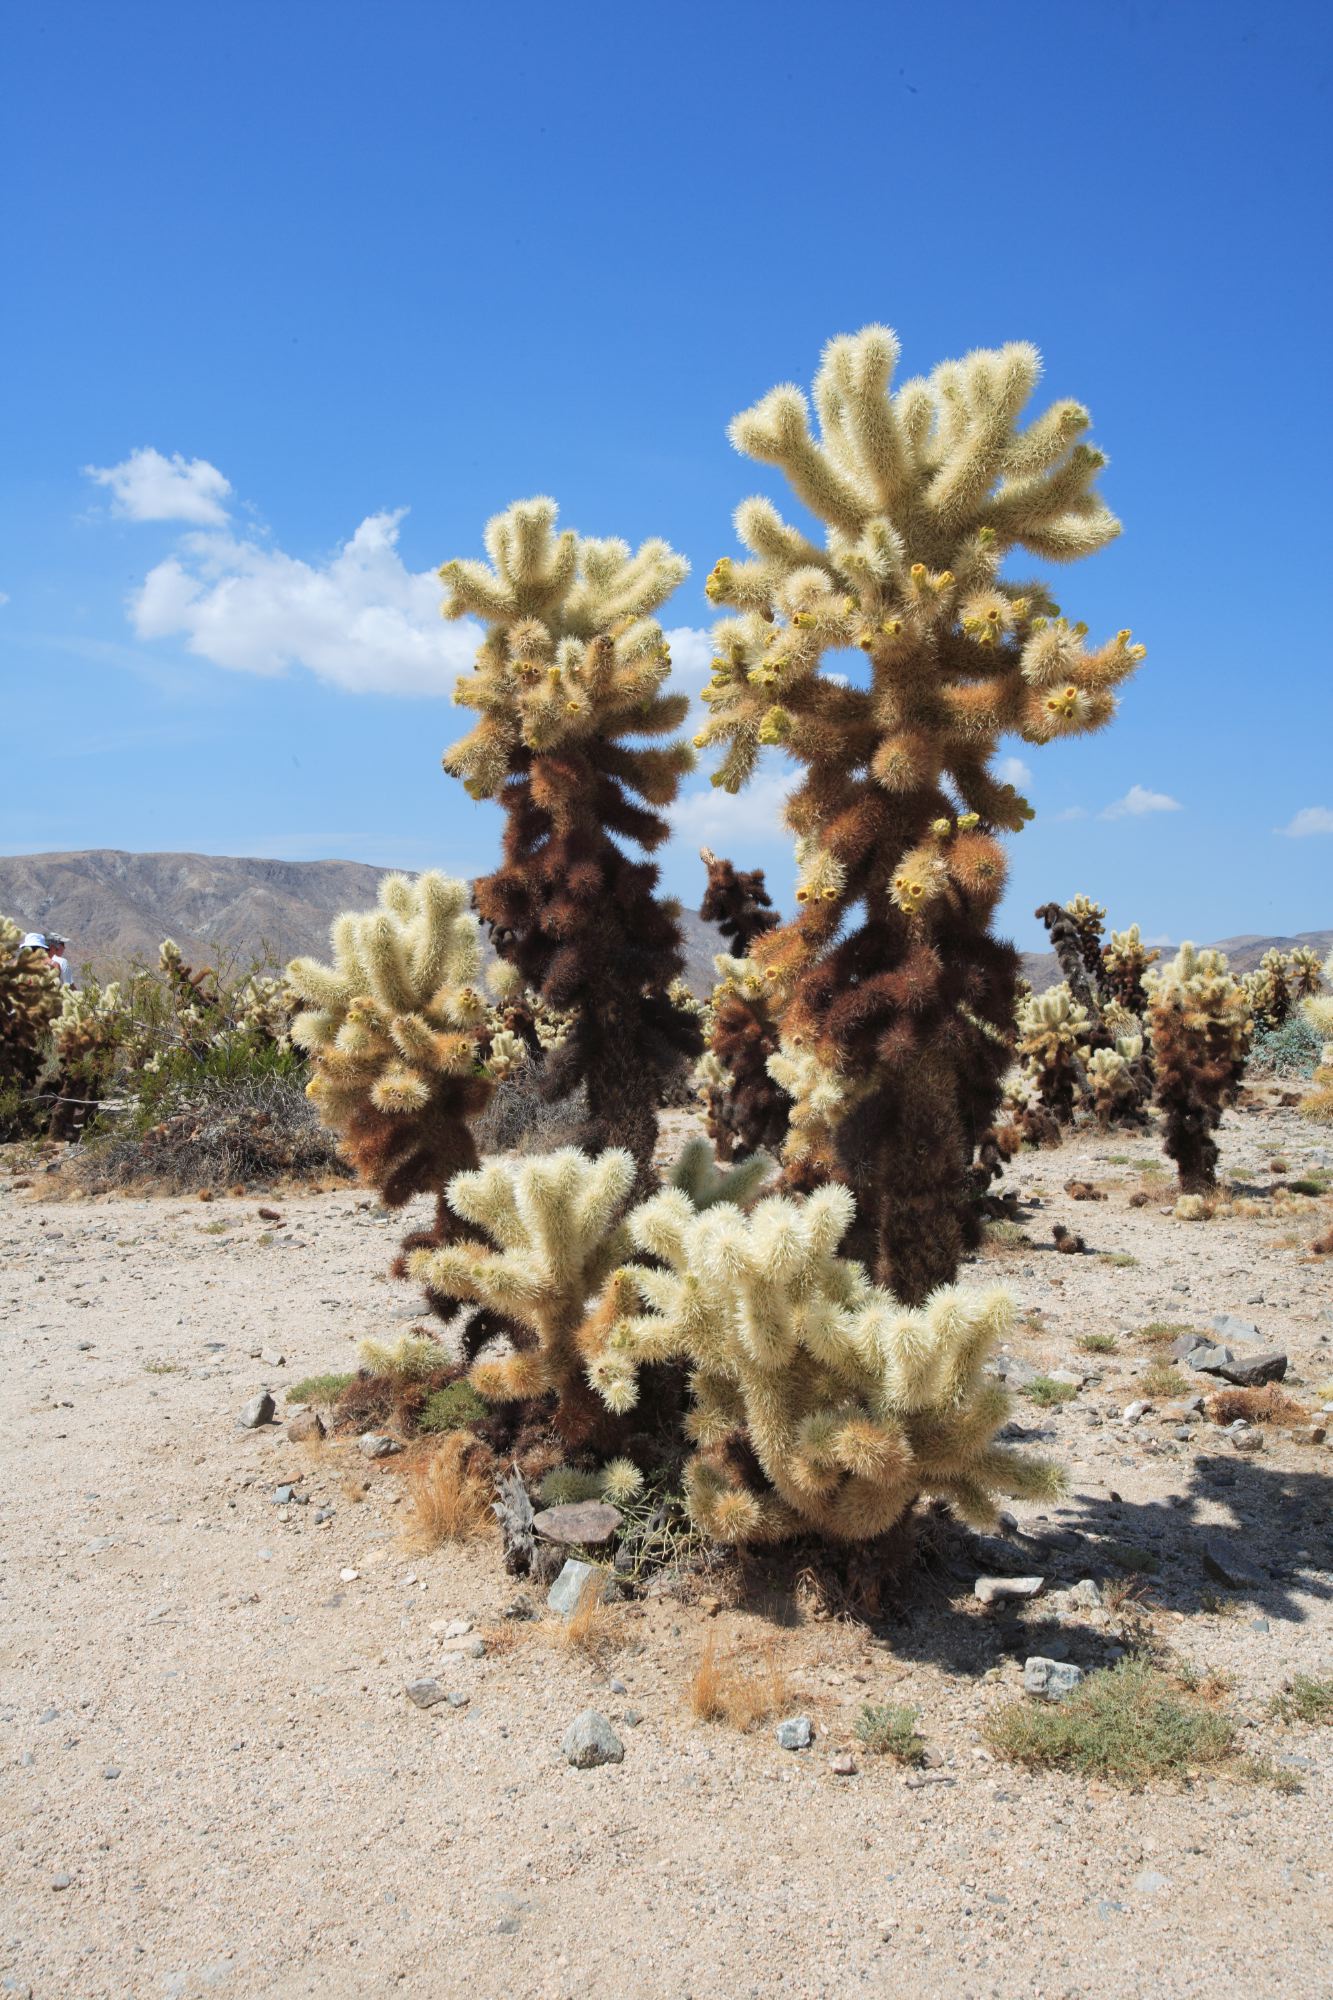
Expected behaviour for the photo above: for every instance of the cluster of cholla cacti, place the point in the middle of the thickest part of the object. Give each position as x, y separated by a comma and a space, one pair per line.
1082, 1044
805, 1342
1279, 984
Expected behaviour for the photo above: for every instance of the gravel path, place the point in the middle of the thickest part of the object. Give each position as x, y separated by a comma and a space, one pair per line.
214, 1783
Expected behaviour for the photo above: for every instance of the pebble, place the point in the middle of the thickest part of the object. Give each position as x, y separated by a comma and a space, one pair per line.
1132, 1412
348, 1575
259, 1410
590, 1740
456, 1700
456, 1628
843, 1765
282, 1496
998, 1589
425, 1693
796, 1733
1052, 1680
61, 1881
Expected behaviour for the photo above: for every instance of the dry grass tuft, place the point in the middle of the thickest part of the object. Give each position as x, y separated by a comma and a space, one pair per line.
740, 1689
1126, 1723
590, 1628
448, 1497
1269, 1405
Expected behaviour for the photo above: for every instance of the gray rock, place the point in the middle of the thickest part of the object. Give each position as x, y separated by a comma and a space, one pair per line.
795, 1733
458, 1628
632, 1718
582, 1524
1052, 1680
271, 1357
61, 1881
323, 1514
475, 1649
1224, 1568
1132, 1412
1000, 1589
1227, 1326
1209, 1360
373, 1445
565, 1592
1185, 1343
1250, 1371
1086, 1592
457, 1700
425, 1693
590, 1740
305, 1427
283, 1495
1010, 1368
259, 1410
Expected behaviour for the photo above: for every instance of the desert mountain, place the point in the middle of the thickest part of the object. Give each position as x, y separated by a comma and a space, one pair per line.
114, 907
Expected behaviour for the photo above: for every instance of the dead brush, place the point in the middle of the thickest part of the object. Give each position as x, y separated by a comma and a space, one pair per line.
590, 1629
1269, 1405
742, 1689
449, 1496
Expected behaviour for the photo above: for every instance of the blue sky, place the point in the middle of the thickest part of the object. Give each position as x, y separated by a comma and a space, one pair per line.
372, 272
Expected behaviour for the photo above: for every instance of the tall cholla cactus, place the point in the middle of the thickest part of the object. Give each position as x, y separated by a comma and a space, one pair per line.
1201, 1031
1053, 1032
1074, 929
393, 1028
923, 493
557, 1224
818, 1402
29, 998
1318, 1011
570, 674
1089, 921
85, 1035
1125, 960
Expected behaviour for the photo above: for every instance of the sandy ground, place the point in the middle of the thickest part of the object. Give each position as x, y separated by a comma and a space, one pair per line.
213, 1781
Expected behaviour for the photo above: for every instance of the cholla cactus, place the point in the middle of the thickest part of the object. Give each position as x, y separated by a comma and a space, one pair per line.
393, 1028
86, 1035
818, 1402
1201, 1030
1053, 1042
1268, 991
569, 676
923, 494
558, 1226
737, 902
1125, 959
1303, 972
1113, 1084
1089, 921
262, 1007
1318, 1011
1071, 941
744, 1108
29, 998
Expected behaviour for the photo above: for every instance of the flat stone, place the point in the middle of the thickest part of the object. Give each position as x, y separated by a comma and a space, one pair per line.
795, 1733
565, 1592
1250, 1371
425, 1693
259, 1410
1000, 1589
582, 1524
1209, 1359
271, 1357
590, 1740
1185, 1344
1224, 1568
457, 1628
306, 1427
373, 1445
1052, 1680
1228, 1326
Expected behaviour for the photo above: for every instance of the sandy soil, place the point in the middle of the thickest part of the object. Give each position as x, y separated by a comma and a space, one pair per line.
213, 1781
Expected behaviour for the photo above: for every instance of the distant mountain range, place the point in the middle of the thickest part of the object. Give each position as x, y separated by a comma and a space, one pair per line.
114, 907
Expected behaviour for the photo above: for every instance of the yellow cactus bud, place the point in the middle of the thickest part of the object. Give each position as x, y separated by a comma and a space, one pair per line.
941, 828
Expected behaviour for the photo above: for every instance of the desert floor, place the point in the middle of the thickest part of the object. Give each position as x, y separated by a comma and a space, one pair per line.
214, 1782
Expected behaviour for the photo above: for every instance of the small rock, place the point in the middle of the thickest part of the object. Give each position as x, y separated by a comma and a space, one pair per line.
618, 1687
348, 1575
1208, 1359
1010, 1368
1251, 1371
1248, 1440
632, 1718
1224, 1569
282, 1496
1086, 1592
1052, 1680
457, 1628
590, 1740
61, 1881
322, 1514
456, 1700
795, 1733
999, 1589
259, 1410
582, 1524
1259, 1625
111, 1771
271, 1358
1228, 1326
373, 1445
567, 1589
306, 1427
843, 1765
1186, 1343
475, 1649
1132, 1412
425, 1693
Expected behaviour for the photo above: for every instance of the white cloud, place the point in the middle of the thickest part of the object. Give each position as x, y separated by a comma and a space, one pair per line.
753, 814
1013, 771
1071, 812
1138, 801
691, 656
361, 620
148, 487
1310, 819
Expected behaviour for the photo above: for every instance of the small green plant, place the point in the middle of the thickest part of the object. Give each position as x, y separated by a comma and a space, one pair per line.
1311, 1184
1097, 1343
564, 1486
1119, 1260
1307, 1700
1128, 1555
162, 1367
887, 1730
457, 1407
1161, 1332
1126, 1723
1046, 1392
319, 1388
214, 1228
1006, 1235
1161, 1379
1263, 1771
